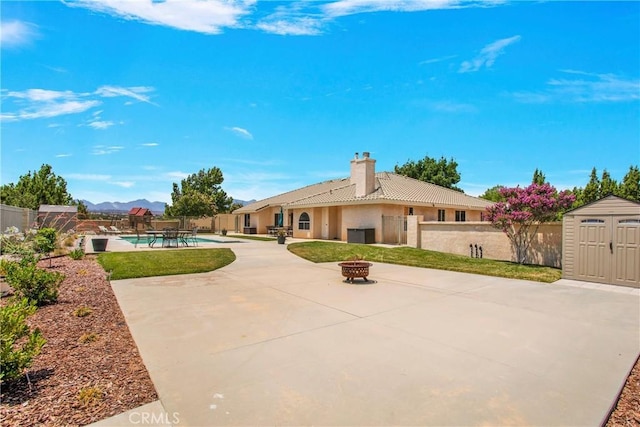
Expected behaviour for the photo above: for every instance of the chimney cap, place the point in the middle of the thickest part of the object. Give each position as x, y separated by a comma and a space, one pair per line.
365, 154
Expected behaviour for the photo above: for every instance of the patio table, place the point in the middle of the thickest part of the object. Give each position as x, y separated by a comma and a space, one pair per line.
182, 236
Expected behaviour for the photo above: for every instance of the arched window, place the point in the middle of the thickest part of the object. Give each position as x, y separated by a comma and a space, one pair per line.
304, 223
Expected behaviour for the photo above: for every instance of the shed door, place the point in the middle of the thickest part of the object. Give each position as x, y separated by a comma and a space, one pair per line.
627, 252
594, 261
609, 250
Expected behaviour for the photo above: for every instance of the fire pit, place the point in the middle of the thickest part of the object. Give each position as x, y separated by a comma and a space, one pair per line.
353, 269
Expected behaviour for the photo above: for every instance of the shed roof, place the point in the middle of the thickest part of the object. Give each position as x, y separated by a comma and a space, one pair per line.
390, 188
610, 205
58, 209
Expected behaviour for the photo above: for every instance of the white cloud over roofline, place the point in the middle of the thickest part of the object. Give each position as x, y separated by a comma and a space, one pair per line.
584, 88
16, 34
487, 56
208, 17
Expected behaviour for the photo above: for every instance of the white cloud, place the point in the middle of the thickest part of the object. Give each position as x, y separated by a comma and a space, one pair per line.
351, 7
44, 103
101, 124
63, 155
208, 17
589, 87
176, 175
88, 177
150, 144
243, 133
136, 92
487, 56
435, 60
16, 34
299, 26
123, 184
101, 150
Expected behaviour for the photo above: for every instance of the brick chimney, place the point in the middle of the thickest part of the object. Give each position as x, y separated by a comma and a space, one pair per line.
363, 174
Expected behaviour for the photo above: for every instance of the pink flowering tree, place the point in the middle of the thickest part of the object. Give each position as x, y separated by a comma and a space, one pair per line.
523, 210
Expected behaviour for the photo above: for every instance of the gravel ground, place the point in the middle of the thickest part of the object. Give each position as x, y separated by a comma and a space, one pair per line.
74, 383
111, 366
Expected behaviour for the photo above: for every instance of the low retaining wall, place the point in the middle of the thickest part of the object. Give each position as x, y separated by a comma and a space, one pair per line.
455, 238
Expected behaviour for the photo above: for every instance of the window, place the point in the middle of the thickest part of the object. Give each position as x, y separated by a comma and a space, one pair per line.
481, 216
593, 221
629, 221
304, 223
441, 216
247, 220
461, 216
410, 210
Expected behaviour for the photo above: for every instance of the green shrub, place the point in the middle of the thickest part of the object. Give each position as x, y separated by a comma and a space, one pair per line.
45, 240
82, 311
89, 337
18, 344
77, 254
29, 281
90, 395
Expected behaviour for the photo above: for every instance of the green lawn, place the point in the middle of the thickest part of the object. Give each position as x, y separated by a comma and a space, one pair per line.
129, 265
335, 252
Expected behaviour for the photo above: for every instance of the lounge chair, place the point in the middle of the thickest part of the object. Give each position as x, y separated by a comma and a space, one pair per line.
105, 230
114, 229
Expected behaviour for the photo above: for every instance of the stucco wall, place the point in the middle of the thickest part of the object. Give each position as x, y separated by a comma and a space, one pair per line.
455, 237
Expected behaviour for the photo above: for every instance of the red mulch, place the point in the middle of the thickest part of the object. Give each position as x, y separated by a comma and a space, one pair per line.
627, 412
65, 366
112, 362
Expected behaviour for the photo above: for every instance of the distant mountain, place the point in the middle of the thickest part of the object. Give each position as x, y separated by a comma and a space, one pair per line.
244, 202
119, 207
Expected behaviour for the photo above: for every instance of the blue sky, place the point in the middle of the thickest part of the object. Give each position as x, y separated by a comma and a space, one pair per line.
124, 98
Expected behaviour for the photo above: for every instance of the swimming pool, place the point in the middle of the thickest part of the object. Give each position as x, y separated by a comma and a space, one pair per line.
147, 239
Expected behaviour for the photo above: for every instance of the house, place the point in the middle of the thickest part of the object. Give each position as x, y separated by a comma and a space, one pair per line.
140, 216
601, 242
62, 218
365, 203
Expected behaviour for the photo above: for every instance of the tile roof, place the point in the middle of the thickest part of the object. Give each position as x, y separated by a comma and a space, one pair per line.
390, 188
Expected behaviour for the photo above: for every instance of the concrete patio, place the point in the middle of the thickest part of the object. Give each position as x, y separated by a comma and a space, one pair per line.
273, 339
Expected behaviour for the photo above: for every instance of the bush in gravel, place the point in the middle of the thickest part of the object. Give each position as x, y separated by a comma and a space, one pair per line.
18, 344
77, 254
89, 395
89, 337
29, 281
82, 311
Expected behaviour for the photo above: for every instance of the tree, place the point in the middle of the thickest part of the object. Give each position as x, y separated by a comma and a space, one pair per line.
522, 212
608, 185
441, 172
42, 188
630, 186
538, 177
199, 194
493, 194
591, 191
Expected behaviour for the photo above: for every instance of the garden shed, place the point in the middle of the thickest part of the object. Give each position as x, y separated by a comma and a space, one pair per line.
601, 242
62, 218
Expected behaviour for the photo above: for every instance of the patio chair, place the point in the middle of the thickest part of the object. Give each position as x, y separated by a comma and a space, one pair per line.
114, 229
169, 235
194, 236
140, 236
